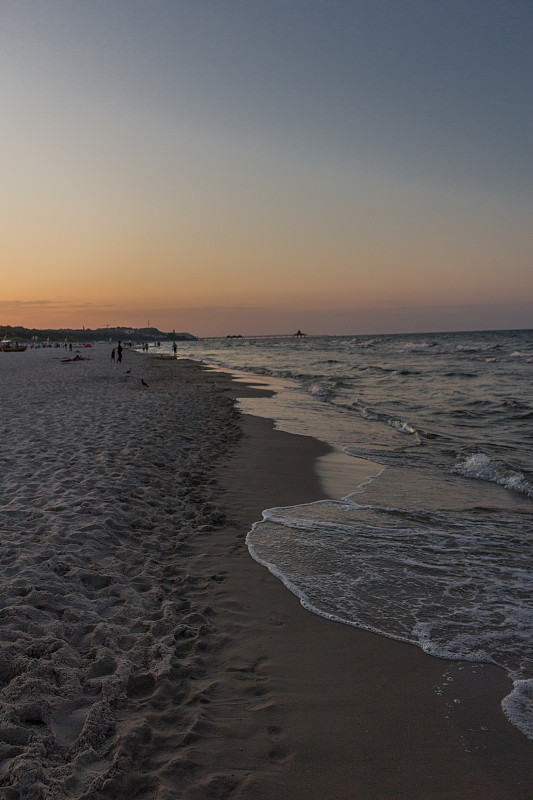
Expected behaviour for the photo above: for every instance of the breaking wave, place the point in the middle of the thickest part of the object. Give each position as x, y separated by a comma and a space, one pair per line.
480, 467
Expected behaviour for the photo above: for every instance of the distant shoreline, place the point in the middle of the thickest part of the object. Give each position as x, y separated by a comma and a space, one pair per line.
39, 335
141, 335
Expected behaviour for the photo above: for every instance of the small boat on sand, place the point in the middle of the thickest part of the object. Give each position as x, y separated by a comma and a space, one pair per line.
11, 347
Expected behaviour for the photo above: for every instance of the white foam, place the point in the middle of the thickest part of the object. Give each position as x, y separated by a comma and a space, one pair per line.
480, 467
518, 706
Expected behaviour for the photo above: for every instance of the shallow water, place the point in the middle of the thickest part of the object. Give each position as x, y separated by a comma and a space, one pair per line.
435, 549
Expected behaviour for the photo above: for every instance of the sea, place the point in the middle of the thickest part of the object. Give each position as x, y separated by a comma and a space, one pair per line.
432, 542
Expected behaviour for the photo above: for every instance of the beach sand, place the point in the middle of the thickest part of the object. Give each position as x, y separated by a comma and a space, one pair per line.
145, 654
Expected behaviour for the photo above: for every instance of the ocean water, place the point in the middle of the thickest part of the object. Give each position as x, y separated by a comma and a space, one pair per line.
435, 547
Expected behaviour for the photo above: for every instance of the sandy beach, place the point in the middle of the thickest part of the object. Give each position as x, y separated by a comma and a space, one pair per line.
145, 654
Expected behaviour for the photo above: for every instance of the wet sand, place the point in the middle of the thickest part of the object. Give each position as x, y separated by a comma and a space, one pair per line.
145, 654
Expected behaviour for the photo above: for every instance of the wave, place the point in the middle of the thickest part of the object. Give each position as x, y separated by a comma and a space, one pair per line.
521, 354
322, 390
480, 467
420, 347
375, 369
396, 572
398, 424
363, 345
518, 706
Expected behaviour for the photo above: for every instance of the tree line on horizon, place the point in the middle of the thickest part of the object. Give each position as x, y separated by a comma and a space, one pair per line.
22, 334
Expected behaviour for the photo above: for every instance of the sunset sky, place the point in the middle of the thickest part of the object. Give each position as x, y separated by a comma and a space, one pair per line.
250, 166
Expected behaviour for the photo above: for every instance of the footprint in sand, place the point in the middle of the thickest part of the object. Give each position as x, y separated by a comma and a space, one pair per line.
140, 686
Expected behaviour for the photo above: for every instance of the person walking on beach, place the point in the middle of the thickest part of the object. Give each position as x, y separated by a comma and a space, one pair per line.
113, 354
175, 348
119, 353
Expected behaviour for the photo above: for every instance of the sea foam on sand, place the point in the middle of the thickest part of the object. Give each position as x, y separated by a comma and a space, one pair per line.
101, 488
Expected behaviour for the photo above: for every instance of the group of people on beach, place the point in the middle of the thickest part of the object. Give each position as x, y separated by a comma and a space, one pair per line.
116, 353
145, 347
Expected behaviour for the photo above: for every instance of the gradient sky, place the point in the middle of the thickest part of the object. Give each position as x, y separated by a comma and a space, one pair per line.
240, 166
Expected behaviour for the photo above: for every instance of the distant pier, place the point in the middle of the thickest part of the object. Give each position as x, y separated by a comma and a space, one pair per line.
239, 337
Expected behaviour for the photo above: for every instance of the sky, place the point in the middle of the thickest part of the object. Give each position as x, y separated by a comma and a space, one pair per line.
240, 166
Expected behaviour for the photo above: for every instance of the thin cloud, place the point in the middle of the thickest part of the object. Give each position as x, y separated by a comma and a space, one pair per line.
10, 305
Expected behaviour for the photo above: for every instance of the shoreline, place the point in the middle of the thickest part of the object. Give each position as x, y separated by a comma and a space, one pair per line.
144, 653
362, 713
